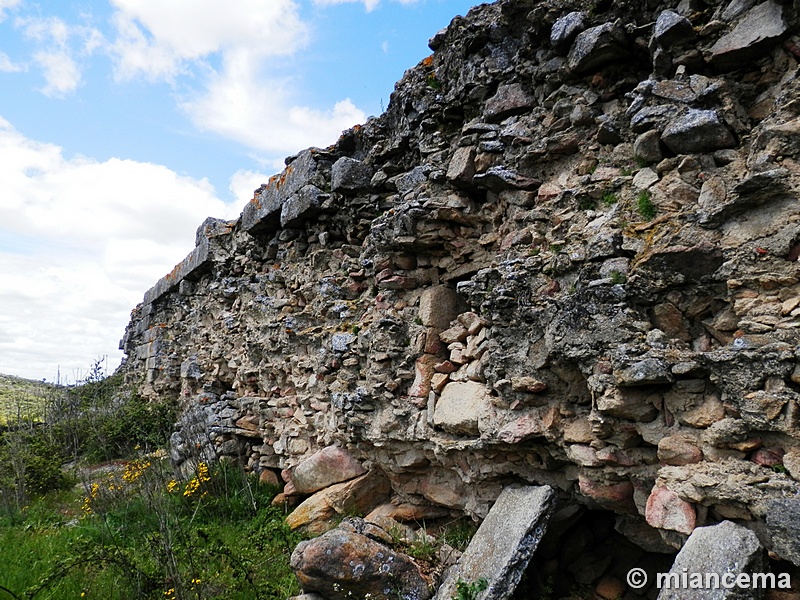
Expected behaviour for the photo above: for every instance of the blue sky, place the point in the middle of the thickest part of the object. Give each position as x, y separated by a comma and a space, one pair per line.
124, 123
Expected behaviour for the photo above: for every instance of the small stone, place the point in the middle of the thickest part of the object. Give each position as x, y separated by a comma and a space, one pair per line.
438, 306
461, 169
459, 407
524, 428
616, 496
650, 371
679, 450
510, 99
645, 178
527, 384
609, 588
647, 147
328, 466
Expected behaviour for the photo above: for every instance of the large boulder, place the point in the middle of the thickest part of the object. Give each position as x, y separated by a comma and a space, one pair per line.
727, 550
344, 564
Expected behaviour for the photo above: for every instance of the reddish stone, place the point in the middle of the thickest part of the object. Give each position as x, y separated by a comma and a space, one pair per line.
423, 372
612, 496
767, 457
679, 450
667, 510
522, 429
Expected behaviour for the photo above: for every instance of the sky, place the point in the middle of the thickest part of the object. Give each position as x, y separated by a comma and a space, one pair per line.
125, 123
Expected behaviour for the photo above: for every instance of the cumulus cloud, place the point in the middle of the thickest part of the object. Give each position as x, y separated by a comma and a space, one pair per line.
263, 116
61, 44
150, 44
233, 51
61, 74
80, 241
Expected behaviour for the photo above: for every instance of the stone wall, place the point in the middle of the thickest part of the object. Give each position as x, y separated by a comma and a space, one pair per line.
565, 255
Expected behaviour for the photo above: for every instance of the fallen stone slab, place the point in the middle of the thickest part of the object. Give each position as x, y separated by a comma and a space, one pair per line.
726, 550
783, 527
504, 543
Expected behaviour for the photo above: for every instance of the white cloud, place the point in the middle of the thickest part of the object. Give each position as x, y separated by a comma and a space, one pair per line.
57, 56
150, 43
369, 5
263, 116
241, 98
244, 183
8, 66
80, 242
61, 74
5, 4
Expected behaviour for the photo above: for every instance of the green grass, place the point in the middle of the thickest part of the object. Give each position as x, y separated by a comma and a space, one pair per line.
134, 529
644, 203
24, 399
134, 538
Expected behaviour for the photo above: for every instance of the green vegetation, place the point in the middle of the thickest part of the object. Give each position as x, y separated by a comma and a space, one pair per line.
644, 204
617, 277
470, 591
129, 527
23, 399
609, 198
434, 83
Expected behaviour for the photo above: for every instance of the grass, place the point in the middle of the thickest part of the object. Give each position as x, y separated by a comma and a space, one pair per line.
131, 537
24, 399
133, 529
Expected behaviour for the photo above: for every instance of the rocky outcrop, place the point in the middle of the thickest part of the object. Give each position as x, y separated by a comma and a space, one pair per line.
566, 255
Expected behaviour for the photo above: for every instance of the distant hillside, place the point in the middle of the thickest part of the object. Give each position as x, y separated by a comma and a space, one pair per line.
23, 398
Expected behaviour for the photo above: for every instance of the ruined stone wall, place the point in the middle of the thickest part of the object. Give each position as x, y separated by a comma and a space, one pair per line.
566, 254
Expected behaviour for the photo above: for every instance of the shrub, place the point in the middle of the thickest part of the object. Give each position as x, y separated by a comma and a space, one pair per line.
645, 205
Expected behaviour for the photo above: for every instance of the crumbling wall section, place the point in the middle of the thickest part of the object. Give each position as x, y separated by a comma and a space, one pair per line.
565, 255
